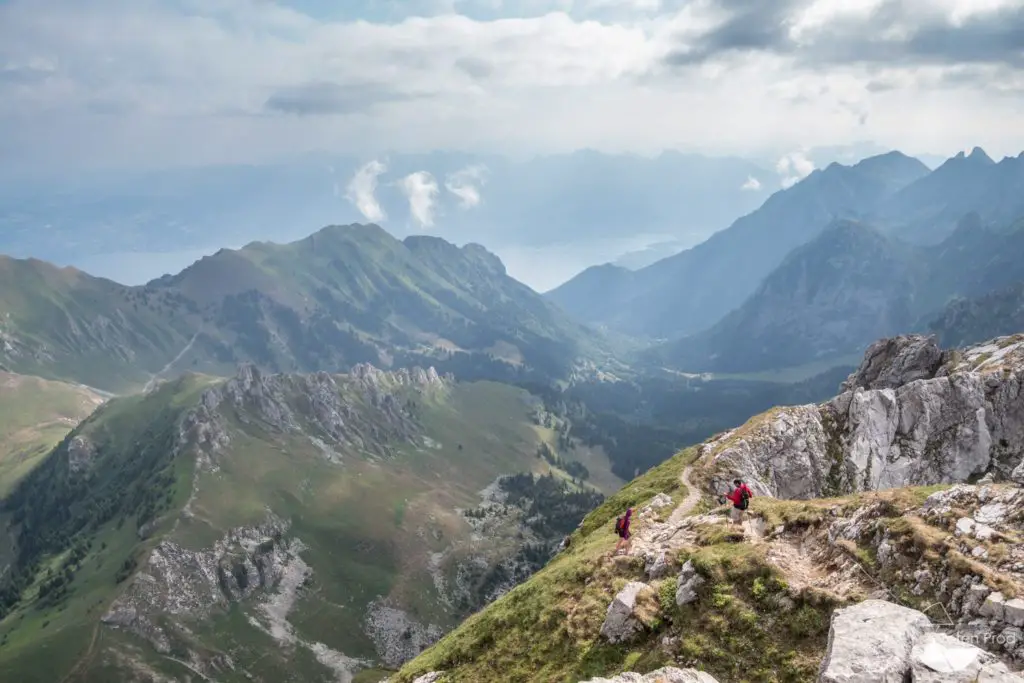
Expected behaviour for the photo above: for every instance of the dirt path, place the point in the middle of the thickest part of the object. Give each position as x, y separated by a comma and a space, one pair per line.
692, 493
85, 658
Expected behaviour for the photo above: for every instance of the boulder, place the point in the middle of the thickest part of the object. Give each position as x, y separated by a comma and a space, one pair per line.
622, 621
891, 363
871, 642
667, 674
687, 584
1013, 612
940, 658
994, 606
432, 677
658, 565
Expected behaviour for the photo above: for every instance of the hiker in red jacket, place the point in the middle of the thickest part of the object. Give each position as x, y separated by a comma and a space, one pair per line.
622, 529
739, 496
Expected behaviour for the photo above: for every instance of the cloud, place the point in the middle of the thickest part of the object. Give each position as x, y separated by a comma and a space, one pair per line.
465, 184
362, 191
752, 184
420, 189
823, 33
793, 168
330, 98
190, 82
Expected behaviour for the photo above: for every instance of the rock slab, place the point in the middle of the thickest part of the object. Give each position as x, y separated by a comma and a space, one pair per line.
871, 642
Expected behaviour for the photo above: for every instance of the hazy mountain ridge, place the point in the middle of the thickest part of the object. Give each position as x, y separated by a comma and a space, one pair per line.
315, 523
846, 287
829, 297
967, 321
688, 292
691, 291
345, 295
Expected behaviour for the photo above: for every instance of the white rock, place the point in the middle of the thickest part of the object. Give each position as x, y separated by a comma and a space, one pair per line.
432, 677
940, 658
664, 675
1013, 612
964, 526
993, 513
993, 606
658, 565
687, 584
871, 642
620, 624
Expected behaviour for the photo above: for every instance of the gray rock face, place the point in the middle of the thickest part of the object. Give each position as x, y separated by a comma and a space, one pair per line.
664, 675
903, 420
621, 623
871, 642
687, 584
891, 363
939, 658
432, 677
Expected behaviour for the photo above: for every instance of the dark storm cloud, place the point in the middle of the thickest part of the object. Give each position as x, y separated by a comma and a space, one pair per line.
758, 26
314, 99
754, 25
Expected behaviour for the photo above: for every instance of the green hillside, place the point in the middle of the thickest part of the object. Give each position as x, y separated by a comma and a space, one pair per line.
35, 414
310, 525
345, 295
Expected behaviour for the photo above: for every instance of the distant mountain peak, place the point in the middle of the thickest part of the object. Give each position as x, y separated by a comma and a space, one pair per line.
978, 154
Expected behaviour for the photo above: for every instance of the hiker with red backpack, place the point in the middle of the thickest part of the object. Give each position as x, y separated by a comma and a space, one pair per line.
739, 496
622, 530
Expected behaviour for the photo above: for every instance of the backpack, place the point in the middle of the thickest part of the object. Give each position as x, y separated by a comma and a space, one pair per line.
744, 498
620, 523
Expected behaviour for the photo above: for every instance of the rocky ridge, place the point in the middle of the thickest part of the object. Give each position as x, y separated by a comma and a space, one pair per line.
911, 415
365, 416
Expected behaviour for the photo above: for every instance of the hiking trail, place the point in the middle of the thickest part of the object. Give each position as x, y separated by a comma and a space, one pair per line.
692, 493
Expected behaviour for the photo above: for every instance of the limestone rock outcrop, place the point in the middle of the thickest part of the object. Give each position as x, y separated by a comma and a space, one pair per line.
625, 619
871, 642
911, 415
666, 674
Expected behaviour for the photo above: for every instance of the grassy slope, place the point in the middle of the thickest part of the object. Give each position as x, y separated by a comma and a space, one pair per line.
344, 295
35, 414
547, 628
44, 641
360, 520
71, 326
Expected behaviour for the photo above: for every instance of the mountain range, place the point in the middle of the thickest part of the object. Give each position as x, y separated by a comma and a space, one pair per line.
689, 292
849, 285
345, 295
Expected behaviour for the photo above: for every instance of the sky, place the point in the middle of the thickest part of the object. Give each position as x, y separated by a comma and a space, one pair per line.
151, 83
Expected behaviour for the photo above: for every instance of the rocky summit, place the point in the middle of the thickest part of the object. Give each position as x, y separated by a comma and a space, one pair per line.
911, 415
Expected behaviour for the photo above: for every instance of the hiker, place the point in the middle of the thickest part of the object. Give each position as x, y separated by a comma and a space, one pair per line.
622, 529
739, 496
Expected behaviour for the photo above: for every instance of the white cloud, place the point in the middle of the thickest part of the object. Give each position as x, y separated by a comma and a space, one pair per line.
247, 80
420, 189
465, 184
752, 184
793, 168
362, 191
